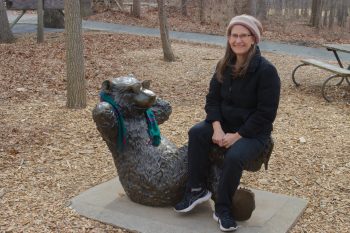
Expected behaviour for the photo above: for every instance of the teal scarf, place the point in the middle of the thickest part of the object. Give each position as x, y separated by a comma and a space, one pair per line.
121, 139
153, 129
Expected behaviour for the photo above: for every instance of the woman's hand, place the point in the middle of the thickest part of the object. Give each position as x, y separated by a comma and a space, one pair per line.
218, 137
218, 134
229, 139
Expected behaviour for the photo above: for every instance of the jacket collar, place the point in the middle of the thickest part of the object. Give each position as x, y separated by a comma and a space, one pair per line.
254, 63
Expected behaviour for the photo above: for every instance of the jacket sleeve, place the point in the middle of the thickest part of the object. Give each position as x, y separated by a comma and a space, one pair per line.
268, 94
213, 101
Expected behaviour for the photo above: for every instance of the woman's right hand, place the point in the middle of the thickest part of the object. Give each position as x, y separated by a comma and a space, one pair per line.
218, 134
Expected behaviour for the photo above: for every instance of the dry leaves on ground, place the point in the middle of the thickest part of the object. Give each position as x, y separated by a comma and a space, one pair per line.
49, 154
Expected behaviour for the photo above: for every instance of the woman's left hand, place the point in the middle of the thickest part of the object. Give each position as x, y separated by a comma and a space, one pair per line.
229, 139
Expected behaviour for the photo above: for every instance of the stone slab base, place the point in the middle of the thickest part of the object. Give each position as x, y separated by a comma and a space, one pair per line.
107, 202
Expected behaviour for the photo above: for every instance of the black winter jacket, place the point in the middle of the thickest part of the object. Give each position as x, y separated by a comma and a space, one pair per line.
247, 105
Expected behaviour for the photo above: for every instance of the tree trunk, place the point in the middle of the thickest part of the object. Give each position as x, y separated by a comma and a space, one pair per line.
287, 8
85, 9
242, 7
296, 7
53, 18
253, 7
184, 7
136, 8
164, 32
201, 11
6, 35
319, 14
339, 14
342, 13
331, 16
76, 87
313, 12
40, 27
305, 8
278, 7
316, 14
262, 10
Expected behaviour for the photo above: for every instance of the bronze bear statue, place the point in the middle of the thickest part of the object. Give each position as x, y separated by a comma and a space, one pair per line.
150, 175
154, 175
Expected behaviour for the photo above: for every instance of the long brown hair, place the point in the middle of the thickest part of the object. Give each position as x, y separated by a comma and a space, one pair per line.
231, 56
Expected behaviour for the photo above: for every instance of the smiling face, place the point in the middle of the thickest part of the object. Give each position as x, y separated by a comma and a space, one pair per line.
240, 40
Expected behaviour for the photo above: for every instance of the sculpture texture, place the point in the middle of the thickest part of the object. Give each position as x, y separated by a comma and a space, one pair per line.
150, 175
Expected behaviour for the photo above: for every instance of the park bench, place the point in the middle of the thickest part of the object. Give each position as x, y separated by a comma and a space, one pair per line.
339, 72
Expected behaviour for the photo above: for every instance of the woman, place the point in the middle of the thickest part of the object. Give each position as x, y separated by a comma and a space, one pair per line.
241, 106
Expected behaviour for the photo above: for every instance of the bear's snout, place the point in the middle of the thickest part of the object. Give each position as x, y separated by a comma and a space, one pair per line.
145, 98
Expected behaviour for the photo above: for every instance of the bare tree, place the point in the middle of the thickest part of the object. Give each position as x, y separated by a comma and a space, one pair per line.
184, 7
331, 15
244, 7
278, 6
342, 12
164, 32
305, 6
325, 12
201, 11
253, 7
136, 8
316, 13
261, 9
40, 27
76, 85
6, 35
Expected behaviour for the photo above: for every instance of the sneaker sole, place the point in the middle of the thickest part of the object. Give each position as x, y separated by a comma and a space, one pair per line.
194, 204
222, 228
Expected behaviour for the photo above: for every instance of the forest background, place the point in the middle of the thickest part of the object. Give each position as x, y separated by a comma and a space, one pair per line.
304, 22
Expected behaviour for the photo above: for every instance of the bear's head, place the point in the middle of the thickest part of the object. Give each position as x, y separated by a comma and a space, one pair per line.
132, 96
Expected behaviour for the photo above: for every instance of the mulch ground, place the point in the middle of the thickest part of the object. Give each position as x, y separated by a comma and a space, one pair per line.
49, 153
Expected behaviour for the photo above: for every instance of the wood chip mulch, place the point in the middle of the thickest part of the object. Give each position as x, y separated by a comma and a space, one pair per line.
49, 154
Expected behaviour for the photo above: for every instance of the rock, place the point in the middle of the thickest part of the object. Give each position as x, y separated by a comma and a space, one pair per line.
21, 89
263, 181
302, 140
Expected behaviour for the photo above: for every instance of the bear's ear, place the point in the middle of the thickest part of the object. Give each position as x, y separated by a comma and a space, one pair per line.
146, 84
106, 86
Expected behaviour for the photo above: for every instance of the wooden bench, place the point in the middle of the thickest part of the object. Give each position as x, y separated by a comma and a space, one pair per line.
338, 73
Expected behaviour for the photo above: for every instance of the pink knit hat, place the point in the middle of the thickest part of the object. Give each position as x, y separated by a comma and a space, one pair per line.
248, 21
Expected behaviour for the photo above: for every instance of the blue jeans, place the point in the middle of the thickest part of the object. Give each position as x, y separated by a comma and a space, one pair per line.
242, 151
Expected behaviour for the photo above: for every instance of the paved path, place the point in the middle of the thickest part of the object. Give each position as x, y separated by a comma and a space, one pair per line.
28, 24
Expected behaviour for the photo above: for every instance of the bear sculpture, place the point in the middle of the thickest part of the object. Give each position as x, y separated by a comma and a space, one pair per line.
154, 175
150, 175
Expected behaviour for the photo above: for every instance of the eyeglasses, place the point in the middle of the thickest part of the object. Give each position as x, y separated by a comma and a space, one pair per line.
241, 36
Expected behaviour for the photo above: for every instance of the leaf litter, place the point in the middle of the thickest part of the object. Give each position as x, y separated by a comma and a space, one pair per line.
49, 154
